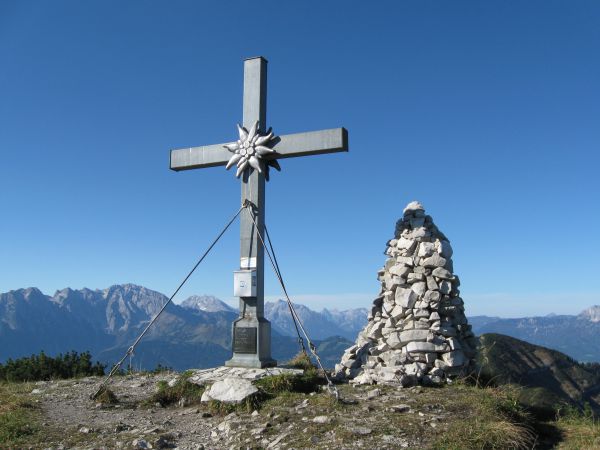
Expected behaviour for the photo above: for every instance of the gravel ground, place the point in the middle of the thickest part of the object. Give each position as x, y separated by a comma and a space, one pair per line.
367, 417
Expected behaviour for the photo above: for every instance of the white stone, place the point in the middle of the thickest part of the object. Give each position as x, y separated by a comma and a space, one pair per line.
417, 233
421, 313
454, 358
414, 277
442, 273
405, 297
363, 378
434, 261
322, 419
406, 260
432, 296
397, 312
394, 341
419, 288
426, 249
231, 390
431, 284
420, 347
375, 331
421, 324
413, 206
413, 335
399, 270
405, 244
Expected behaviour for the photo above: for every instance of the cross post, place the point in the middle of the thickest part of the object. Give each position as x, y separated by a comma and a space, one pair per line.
251, 333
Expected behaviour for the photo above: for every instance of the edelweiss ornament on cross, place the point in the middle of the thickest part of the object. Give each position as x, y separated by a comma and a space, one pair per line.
250, 150
253, 153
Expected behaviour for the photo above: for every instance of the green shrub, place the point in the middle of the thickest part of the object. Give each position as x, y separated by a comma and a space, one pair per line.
43, 367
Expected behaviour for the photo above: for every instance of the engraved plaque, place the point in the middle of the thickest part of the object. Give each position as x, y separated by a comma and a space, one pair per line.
244, 340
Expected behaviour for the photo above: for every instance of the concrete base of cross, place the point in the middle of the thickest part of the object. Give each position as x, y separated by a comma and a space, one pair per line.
251, 344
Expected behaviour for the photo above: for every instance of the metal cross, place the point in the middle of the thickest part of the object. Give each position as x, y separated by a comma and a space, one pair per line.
251, 340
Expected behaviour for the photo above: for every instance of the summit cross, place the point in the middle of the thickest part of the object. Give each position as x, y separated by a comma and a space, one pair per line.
251, 333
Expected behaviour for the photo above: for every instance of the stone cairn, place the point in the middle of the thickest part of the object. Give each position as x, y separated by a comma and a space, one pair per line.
417, 331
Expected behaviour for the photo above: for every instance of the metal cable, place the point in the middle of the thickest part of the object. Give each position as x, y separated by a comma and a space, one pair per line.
278, 272
130, 350
313, 349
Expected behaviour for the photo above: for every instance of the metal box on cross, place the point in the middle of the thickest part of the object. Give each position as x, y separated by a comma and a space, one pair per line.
253, 154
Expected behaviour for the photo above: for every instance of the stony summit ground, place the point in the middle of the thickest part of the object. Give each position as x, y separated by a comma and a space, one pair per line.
60, 415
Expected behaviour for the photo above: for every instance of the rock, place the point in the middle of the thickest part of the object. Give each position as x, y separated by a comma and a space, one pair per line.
405, 298
454, 358
434, 261
37, 391
165, 441
420, 347
85, 430
405, 244
414, 335
394, 341
426, 249
431, 284
400, 408
373, 394
419, 288
230, 390
399, 270
413, 206
140, 444
322, 419
442, 273
362, 431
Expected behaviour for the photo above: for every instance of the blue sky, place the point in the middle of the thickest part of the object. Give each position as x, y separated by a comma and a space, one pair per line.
486, 112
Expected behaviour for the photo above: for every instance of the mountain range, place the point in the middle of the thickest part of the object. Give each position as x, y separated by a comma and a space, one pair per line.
577, 336
196, 333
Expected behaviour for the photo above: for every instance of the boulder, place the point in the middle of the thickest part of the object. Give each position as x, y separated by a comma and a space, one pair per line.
230, 390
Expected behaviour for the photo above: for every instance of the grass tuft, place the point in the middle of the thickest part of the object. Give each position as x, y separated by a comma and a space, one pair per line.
183, 392
302, 361
106, 397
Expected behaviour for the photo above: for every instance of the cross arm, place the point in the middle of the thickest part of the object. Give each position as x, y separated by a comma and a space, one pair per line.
290, 145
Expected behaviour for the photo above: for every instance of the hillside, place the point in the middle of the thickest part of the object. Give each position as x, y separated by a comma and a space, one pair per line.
575, 335
551, 376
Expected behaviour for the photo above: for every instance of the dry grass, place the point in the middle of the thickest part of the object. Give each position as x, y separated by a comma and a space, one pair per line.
17, 414
106, 397
491, 418
579, 430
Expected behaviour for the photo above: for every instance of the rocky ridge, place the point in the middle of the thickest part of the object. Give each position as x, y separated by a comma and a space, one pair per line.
417, 330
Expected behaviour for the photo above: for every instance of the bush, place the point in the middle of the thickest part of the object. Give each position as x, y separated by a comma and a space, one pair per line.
42, 367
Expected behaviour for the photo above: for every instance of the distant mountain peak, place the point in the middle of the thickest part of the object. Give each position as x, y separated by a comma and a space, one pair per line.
592, 314
207, 303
